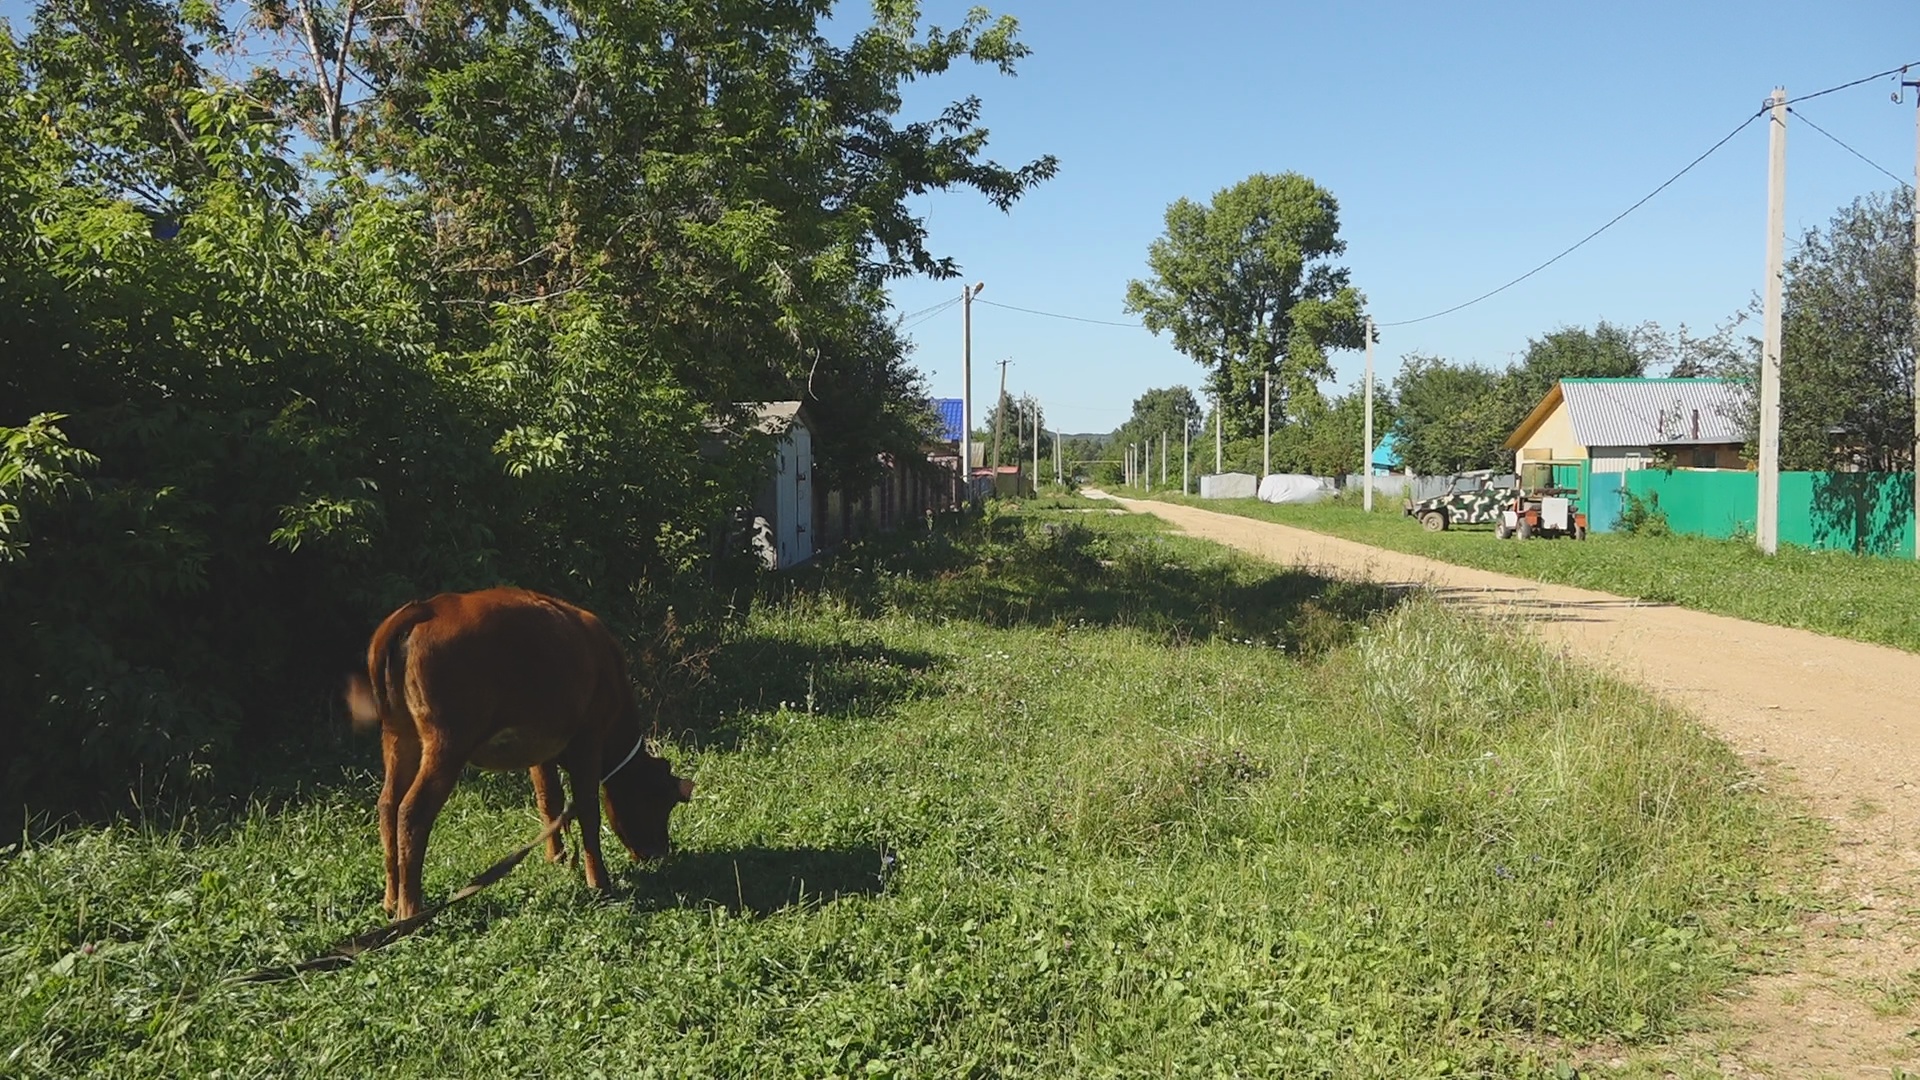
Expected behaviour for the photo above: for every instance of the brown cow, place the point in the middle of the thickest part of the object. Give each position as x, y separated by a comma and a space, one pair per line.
505, 679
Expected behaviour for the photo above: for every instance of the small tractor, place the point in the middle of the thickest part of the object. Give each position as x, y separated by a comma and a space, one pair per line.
1540, 507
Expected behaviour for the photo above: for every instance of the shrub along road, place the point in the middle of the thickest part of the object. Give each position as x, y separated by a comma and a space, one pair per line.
1836, 714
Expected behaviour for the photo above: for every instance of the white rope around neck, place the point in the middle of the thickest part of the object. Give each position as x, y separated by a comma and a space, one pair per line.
637, 744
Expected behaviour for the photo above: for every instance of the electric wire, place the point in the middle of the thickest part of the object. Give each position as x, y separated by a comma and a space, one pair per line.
1837, 142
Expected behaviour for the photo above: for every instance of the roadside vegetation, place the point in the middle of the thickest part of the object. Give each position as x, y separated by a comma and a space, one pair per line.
1052, 793
1863, 597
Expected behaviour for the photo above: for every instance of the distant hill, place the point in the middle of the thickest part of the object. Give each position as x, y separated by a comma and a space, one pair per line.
1100, 437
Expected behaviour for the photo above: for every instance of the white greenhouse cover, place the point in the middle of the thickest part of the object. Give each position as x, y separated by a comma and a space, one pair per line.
1294, 488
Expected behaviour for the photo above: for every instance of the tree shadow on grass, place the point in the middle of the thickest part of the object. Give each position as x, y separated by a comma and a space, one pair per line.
1047, 573
757, 881
830, 678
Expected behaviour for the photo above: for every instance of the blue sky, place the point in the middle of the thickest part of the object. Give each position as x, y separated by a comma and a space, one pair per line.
1465, 142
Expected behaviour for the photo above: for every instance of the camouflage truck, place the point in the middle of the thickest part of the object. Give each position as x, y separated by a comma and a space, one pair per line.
1472, 498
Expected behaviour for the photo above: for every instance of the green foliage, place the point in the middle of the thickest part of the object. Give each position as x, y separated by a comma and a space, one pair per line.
1083, 833
485, 334
1847, 354
1450, 416
1643, 517
1455, 417
1245, 287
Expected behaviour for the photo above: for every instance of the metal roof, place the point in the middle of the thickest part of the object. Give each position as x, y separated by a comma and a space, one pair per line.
1654, 412
949, 409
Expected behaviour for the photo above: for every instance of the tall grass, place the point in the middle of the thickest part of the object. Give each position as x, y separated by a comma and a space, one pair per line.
1864, 597
1056, 795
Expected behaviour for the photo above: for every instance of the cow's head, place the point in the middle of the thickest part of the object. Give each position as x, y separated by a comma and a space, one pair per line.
640, 799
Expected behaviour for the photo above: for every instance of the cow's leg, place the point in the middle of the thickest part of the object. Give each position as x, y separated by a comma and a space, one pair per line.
439, 769
402, 756
584, 773
546, 792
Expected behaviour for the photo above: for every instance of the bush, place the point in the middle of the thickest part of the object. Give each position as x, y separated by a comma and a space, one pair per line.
1643, 517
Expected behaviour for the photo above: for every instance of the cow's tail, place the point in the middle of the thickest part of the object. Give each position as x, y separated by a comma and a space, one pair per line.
380, 692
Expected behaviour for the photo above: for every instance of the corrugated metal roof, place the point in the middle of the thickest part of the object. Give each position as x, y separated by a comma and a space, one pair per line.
950, 412
1653, 412
775, 417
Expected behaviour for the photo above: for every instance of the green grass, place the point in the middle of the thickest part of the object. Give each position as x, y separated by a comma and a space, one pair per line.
1054, 794
1863, 597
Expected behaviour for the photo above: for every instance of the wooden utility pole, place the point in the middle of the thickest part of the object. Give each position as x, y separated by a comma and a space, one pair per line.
1915, 83
1059, 467
1366, 452
966, 385
1266, 425
1767, 517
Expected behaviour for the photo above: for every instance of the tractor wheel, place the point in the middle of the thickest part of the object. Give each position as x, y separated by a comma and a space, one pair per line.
1500, 531
1526, 529
1579, 532
1433, 520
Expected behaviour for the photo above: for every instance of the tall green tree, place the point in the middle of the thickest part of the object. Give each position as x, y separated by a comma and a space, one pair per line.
1450, 417
250, 400
1847, 354
1247, 288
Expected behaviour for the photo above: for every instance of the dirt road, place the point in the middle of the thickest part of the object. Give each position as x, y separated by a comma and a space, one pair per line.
1838, 720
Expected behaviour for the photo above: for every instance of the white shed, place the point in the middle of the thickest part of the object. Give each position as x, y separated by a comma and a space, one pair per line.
784, 507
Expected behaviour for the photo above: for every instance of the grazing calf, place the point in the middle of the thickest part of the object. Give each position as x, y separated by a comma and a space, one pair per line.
507, 679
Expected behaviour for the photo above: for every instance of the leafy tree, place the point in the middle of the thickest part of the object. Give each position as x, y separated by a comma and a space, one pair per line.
1328, 440
1847, 350
1245, 286
1450, 418
1017, 415
251, 401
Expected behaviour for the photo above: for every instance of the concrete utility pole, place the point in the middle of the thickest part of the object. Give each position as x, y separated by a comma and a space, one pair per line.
1366, 452
1266, 425
1036, 448
1186, 449
999, 414
1216, 432
966, 385
1915, 83
1059, 467
1163, 457
1767, 518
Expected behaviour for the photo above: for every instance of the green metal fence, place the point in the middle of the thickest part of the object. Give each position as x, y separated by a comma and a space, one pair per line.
1870, 513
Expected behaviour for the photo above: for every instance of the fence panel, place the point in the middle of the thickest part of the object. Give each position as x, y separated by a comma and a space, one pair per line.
1870, 513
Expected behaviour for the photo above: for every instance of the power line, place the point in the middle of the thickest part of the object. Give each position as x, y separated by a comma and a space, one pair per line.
1728, 137
1901, 70
924, 314
1690, 165
1053, 315
1849, 149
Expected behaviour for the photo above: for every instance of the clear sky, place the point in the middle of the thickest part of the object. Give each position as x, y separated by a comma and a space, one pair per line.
1466, 143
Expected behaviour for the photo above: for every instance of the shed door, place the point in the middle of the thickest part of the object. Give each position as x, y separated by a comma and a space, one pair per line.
785, 512
801, 492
